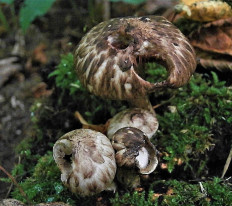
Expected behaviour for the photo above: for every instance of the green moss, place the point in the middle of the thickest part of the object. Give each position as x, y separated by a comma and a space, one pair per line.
135, 199
209, 193
188, 117
44, 184
213, 192
65, 75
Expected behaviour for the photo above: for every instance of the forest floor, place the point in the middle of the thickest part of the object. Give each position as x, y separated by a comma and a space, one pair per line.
57, 33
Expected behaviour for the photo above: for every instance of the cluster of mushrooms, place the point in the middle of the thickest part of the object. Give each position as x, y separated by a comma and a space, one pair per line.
109, 63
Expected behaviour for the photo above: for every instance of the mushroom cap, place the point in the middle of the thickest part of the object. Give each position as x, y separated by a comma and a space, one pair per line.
135, 117
86, 159
109, 57
134, 150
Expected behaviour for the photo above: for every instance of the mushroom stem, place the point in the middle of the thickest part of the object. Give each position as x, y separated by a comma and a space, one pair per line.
143, 103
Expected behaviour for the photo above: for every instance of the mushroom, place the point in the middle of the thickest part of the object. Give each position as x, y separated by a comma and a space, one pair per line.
134, 150
86, 159
135, 117
109, 58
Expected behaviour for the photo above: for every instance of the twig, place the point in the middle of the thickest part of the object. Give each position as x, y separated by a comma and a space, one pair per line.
163, 102
16, 184
203, 189
227, 163
11, 185
100, 127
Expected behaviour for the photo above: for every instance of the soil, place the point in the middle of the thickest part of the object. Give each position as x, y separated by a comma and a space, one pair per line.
42, 46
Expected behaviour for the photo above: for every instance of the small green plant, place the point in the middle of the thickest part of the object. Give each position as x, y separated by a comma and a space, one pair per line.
174, 193
192, 113
44, 184
209, 193
30, 10
135, 199
65, 76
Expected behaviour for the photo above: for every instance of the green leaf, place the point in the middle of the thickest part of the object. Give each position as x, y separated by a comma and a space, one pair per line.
31, 10
7, 1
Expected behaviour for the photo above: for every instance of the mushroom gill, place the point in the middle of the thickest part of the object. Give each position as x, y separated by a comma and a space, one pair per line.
109, 58
134, 150
86, 159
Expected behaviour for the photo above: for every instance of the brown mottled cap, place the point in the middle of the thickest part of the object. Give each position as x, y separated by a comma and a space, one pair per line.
109, 56
134, 150
87, 161
139, 118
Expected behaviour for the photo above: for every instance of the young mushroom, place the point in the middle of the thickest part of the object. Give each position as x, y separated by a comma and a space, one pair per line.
86, 159
109, 58
134, 150
135, 117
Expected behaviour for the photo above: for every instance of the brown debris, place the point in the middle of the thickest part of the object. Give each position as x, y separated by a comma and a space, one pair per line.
85, 125
214, 37
39, 54
8, 67
40, 90
205, 11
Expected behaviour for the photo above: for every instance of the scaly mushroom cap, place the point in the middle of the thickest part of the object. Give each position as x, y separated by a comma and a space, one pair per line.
135, 117
108, 58
134, 150
87, 161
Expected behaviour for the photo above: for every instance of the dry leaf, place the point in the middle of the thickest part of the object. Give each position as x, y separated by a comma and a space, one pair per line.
220, 65
9, 67
139, 189
189, 2
206, 11
170, 192
156, 196
39, 54
100, 128
214, 37
40, 90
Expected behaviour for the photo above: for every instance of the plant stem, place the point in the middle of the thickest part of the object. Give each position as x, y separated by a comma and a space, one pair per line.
227, 163
15, 182
3, 20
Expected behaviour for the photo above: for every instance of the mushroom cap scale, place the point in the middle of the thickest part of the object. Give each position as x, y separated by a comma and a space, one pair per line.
139, 118
87, 161
134, 150
107, 58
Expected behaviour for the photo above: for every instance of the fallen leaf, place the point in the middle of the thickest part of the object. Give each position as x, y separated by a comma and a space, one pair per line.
214, 37
139, 189
170, 192
9, 67
39, 54
189, 2
220, 65
206, 11
40, 90
156, 196
100, 127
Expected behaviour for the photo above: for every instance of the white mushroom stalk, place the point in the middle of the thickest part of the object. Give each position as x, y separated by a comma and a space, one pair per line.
139, 118
134, 150
86, 159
